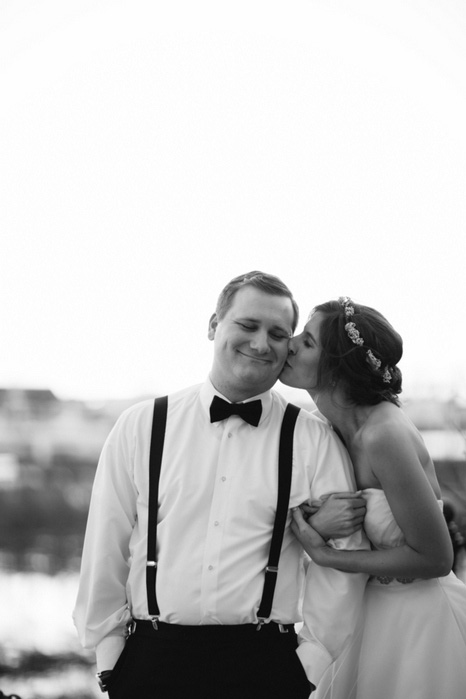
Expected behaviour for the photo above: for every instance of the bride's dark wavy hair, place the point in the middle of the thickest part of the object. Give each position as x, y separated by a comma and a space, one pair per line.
344, 363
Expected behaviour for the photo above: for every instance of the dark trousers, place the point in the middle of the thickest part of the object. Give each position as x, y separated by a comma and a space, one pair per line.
209, 662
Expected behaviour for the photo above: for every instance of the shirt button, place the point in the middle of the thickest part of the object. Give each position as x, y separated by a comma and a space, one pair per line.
223, 478
211, 567
229, 435
216, 524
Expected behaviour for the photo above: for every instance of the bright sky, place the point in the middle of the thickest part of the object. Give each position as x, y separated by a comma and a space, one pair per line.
151, 151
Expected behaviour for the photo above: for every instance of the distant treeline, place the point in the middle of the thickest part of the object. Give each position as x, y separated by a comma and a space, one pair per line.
42, 524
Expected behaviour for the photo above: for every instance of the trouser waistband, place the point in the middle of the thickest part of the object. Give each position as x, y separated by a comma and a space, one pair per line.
143, 627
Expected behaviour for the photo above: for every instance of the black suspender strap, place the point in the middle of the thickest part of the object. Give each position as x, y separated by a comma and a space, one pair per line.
285, 467
155, 463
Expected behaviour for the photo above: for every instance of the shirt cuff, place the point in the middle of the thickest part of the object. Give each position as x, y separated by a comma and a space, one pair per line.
108, 651
314, 660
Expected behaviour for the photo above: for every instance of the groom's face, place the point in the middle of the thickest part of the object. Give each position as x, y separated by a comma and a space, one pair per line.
251, 343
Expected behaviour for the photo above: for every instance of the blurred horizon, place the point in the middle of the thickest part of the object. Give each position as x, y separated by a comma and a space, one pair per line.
417, 393
414, 389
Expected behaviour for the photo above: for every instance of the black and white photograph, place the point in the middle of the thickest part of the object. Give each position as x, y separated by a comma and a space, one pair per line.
232, 367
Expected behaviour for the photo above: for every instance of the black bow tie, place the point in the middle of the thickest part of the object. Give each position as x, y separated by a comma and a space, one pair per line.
250, 412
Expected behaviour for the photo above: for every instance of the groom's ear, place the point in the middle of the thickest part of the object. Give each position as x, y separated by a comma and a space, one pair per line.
213, 322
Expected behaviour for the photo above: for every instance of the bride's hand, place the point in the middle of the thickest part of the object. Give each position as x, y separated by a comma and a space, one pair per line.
311, 541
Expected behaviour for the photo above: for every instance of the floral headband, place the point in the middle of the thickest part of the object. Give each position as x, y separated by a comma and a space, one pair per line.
355, 336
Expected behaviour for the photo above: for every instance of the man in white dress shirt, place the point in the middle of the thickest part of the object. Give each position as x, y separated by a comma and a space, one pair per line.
216, 507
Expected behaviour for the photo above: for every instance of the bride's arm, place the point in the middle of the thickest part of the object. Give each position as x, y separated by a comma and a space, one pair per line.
427, 551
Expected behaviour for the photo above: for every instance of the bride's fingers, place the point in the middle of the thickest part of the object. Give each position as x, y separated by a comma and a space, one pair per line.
298, 520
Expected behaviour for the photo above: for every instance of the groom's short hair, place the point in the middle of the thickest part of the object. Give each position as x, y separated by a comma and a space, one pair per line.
268, 283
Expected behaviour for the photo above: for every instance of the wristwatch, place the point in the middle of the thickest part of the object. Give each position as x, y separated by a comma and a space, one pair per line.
103, 678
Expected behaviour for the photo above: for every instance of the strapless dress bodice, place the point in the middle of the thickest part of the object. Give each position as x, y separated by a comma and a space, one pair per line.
379, 523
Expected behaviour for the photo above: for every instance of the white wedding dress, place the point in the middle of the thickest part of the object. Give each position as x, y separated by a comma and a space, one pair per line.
411, 643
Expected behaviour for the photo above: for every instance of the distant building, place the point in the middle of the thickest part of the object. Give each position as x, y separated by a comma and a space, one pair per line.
24, 403
35, 425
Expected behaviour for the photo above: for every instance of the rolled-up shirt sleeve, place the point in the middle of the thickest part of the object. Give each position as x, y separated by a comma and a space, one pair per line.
101, 610
332, 601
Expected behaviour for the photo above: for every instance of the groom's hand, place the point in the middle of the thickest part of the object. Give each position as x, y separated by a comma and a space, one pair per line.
336, 515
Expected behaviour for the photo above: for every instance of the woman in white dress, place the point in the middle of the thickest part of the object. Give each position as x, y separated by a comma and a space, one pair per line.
411, 643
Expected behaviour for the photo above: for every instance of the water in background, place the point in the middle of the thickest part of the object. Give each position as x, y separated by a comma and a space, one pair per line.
40, 657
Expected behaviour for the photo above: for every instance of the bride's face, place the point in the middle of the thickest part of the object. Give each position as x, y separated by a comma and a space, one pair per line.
300, 370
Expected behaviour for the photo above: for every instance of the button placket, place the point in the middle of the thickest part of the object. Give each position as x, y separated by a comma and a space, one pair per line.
214, 534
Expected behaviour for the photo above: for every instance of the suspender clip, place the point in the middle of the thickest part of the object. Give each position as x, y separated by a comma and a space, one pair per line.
271, 569
282, 629
151, 564
154, 621
261, 622
130, 628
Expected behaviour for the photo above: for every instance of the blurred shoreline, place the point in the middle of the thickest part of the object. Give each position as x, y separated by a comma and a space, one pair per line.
40, 655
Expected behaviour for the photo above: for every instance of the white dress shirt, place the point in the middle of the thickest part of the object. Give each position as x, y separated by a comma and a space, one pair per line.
217, 500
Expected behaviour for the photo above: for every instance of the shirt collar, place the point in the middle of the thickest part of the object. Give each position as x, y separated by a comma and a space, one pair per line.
208, 391
316, 413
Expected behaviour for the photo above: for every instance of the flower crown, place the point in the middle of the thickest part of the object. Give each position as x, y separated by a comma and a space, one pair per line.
355, 336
